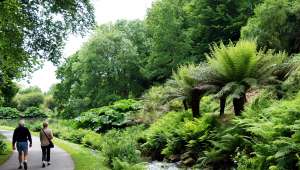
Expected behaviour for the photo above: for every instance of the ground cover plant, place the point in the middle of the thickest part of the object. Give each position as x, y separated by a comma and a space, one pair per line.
5, 150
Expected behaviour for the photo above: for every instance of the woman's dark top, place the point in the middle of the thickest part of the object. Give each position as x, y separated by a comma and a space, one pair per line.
21, 134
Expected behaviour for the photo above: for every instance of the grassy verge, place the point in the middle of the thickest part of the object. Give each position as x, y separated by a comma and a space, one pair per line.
6, 128
84, 158
4, 156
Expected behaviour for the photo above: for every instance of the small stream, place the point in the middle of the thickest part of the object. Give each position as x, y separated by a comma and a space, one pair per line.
155, 165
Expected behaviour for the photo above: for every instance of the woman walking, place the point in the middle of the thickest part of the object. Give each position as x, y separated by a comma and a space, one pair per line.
46, 136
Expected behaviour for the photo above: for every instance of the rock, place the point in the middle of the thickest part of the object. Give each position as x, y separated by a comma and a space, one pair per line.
174, 158
188, 161
185, 155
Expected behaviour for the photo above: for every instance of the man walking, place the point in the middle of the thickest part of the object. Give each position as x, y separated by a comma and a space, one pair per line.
21, 137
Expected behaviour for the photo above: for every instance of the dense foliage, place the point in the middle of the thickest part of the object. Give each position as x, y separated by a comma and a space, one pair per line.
34, 31
275, 25
117, 115
206, 84
265, 137
34, 112
182, 30
106, 69
3, 146
32, 99
9, 113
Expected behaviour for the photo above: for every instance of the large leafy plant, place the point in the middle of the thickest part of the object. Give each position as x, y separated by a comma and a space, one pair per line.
9, 113
106, 117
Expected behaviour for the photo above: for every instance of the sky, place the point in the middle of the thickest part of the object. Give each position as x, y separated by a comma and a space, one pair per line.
105, 11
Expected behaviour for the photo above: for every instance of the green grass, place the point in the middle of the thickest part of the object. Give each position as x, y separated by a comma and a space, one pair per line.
6, 128
84, 159
4, 157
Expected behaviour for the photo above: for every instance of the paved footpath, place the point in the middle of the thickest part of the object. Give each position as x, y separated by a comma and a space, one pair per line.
59, 158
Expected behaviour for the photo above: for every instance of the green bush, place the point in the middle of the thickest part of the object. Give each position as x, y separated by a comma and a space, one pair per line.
50, 102
265, 137
122, 145
126, 105
73, 135
158, 135
153, 98
93, 140
24, 101
121, 165
107, 117
34, 126
9, 113
3, 145
34, 112
193, 136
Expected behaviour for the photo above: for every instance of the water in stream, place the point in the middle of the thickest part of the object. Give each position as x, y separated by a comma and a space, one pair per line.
155, 165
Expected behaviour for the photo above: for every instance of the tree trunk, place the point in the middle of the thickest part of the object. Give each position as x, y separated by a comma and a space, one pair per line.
222, 105
238, 104
195, 103
185, 104
279, 92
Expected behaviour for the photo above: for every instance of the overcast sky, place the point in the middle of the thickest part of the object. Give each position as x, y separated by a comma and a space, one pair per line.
105, 11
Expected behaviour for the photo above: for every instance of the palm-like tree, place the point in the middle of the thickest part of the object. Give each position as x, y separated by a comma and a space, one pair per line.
181, 84
231, 70
191, 82
238, 67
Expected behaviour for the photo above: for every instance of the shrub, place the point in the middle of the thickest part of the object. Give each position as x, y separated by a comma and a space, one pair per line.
291, 85
209, 105
34, 112
265, 137
9, 113
193, 136
34, 99
3, 145
153, 98
126, 105
34, 126
121, 145
107, 117
158, 134
73, 135
121, 165
93, 140
49, 102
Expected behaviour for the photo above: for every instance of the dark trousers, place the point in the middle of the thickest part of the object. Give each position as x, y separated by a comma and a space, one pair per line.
46, 153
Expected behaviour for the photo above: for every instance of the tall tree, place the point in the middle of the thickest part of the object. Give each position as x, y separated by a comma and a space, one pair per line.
275, 25
182, 30
215, 21
105, 69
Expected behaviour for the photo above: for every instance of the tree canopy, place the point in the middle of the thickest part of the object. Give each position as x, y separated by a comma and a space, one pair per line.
275, 25
34, 31
106, 68
182, 30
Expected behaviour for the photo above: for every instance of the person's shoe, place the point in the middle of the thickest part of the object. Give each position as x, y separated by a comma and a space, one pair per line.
25, 165
43, 166
20, 167
49, 163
